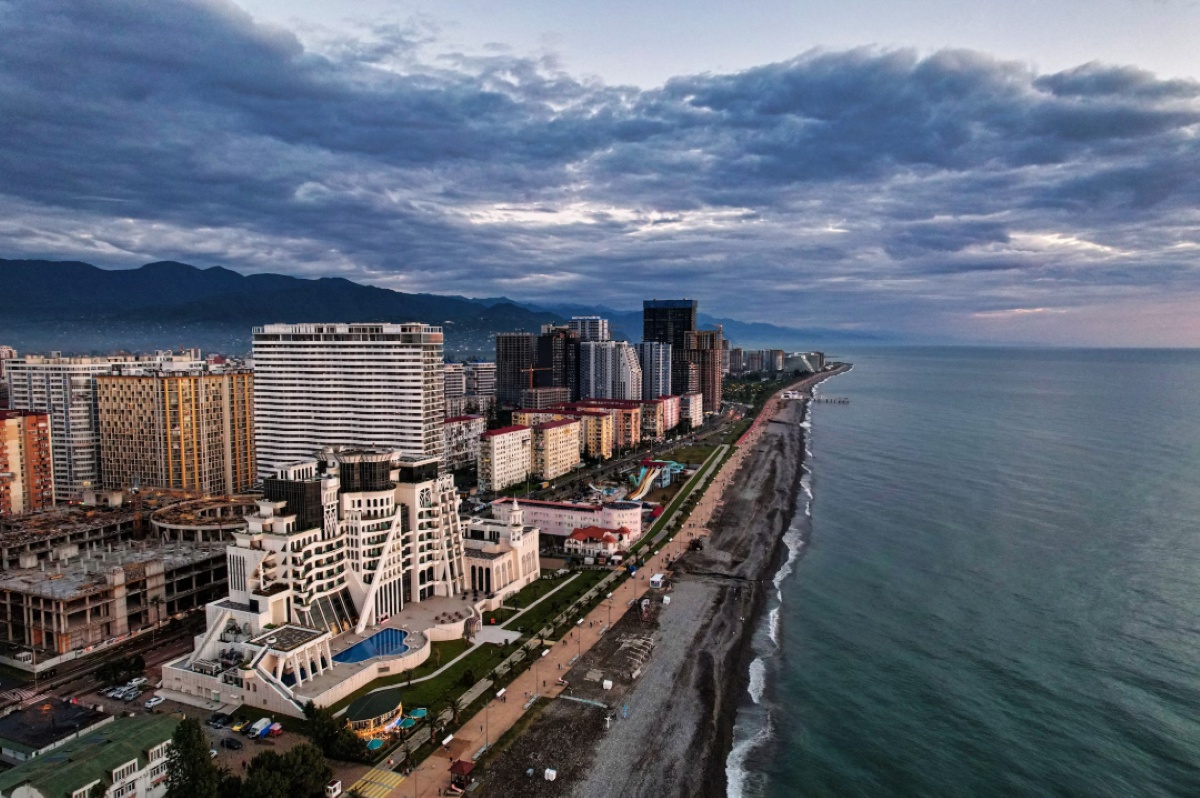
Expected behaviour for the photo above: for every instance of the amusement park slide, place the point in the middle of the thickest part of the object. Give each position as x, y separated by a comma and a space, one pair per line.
645, 484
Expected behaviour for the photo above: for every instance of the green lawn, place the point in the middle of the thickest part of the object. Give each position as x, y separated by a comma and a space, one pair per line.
448, 649
536, 618
695, 453
533, 591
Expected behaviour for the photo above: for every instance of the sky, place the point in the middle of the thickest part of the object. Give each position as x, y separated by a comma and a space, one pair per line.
933, 171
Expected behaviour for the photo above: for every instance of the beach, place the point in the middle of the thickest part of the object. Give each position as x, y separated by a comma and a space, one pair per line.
669, 727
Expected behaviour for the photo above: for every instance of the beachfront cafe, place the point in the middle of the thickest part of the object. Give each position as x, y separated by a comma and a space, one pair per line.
375, 714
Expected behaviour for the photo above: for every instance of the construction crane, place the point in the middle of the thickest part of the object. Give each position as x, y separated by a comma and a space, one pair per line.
531, 369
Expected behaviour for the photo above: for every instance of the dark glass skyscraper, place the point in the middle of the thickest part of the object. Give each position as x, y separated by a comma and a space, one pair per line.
668, 321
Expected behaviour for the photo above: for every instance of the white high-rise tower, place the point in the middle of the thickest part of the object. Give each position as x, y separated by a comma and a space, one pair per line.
371, 384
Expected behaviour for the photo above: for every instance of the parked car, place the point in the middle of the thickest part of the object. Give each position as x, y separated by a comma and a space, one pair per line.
153, 702
138, 682
218, 720
232, 743
212, 753
239, 724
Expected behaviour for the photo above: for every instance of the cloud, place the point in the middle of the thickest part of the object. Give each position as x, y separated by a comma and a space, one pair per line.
868, 186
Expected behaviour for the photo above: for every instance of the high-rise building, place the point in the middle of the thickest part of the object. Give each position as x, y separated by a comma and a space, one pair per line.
322, 385
190, 431
6, 353
609, 370
558, 359
481, 378
669, 320
737, 360
596, 361
590, 328
705, 349
26, 462
516, 355
454, 380
655, 359
462, 440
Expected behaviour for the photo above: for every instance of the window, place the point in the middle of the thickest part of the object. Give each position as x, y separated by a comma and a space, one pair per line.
125, 771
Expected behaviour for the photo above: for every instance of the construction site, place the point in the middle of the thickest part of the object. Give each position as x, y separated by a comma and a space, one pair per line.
77, 579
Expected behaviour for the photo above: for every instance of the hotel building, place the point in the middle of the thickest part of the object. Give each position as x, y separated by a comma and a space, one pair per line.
560, 519
320, 385
501, 556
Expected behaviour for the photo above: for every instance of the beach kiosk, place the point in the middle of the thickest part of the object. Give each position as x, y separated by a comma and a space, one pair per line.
657, 581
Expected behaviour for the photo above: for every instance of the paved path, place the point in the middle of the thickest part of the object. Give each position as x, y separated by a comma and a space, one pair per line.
540, 681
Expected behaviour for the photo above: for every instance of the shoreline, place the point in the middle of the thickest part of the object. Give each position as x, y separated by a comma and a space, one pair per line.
670, 724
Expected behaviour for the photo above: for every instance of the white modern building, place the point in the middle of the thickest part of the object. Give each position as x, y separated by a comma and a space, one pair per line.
501, 556
590, 328
655, 360
319, 385
609, 370
336, 546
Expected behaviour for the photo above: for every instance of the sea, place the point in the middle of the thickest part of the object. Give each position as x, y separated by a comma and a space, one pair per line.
993, 586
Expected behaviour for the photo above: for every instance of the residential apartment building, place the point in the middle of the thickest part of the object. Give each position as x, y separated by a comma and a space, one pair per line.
190, 431
539, 398
558, 360
705, 349
516, 355
655, 360
26, 462
691, 409
454, 380
501, 556
597, 428
609, 370
6, 353
65, 387
462, 440
590, 328
505, 457
330, 385
559, 519
124, 758
555, 448
481, 378
627, 415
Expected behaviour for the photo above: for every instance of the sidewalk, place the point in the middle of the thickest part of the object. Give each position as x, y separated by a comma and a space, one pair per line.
540, 680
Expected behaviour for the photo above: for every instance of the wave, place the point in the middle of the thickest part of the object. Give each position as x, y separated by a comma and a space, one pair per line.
758, 679
737, 777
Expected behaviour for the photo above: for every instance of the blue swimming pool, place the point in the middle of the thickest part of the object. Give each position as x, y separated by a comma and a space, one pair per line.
384, 643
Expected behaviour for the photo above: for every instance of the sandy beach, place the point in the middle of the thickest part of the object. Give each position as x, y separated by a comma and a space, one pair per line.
669, 729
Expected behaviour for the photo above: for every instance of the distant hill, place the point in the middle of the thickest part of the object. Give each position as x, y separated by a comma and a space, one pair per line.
78, 308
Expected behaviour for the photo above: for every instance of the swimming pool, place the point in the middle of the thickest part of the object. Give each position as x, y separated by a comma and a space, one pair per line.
384, 643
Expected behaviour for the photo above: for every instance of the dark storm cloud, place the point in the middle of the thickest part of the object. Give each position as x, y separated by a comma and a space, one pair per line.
875, 179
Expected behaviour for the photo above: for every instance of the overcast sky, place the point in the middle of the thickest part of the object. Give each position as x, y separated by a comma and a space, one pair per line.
957, 171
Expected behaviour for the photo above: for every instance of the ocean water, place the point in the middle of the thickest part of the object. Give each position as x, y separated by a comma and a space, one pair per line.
1000, 593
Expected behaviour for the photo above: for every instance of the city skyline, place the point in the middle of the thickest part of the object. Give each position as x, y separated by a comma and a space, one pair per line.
934, 194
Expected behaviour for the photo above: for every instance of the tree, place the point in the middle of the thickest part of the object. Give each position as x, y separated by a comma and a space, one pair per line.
190, 771
98, 790
265, 783
308, 771
334, 738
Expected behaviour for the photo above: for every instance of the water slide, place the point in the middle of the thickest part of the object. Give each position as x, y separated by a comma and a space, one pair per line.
647, 482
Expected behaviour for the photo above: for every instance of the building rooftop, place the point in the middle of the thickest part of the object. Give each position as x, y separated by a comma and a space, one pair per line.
587, 508
373, 706
566, 422
598, 533
62, 521
88, 573
30, 729
504, 430
91, 758
287, 638
454, 419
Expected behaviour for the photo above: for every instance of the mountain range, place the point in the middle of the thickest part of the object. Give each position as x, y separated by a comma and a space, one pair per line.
75, 307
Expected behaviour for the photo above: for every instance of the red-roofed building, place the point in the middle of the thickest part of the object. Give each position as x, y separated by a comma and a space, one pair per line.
594, 541
558, 519
505, 457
